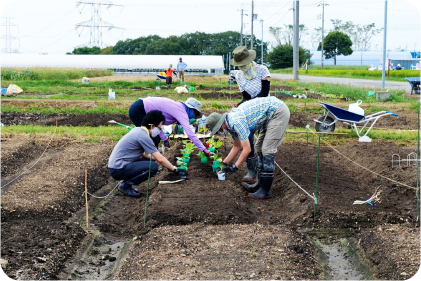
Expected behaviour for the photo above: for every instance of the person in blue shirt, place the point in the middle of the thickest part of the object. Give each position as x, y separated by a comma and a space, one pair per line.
181, 66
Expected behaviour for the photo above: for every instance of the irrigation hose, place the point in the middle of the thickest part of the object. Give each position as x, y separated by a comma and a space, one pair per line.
147, 190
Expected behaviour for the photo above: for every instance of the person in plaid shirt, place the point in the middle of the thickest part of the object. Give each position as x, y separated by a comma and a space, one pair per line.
253, 80
268, 115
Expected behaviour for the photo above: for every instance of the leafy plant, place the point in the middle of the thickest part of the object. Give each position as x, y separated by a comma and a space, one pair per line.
215, 157
214, 143
201, 154
188, 147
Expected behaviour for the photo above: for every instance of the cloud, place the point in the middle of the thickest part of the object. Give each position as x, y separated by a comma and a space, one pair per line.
3, 5
417, 3
3, 276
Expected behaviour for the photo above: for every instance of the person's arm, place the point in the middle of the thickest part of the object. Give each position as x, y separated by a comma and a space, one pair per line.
244, 154
163, 136
234, 151
183, 120
163, 161
147, 156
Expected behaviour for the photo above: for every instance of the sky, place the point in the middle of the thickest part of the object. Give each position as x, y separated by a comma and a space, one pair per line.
48, 27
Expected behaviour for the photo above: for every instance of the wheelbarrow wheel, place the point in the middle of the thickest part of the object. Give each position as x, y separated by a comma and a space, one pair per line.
322, 127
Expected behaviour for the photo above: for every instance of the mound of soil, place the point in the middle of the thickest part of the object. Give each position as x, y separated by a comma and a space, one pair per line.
207, 252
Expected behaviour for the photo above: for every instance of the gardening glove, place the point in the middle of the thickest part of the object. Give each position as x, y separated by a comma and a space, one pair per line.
182, 173
167, 143
207, 152
229, 170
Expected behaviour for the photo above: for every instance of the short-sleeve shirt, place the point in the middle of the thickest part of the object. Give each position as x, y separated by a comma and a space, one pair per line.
251, 115
131, 148
254, 86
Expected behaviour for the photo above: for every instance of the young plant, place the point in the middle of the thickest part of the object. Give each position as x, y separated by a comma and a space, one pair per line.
215, 157
188, 147
201, 154
214, 143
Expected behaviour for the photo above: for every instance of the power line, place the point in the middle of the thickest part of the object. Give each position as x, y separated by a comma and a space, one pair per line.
8, 37
96, 23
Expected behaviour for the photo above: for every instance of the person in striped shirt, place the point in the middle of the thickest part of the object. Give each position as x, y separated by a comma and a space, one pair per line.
253, 80
268, 115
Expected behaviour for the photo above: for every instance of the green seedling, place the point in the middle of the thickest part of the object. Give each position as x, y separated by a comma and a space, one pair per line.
188, 147
215, 157
213, 143
201, 154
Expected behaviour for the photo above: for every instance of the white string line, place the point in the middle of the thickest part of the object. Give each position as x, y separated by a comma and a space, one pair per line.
363, 166
100, 197
312, 197
28, 169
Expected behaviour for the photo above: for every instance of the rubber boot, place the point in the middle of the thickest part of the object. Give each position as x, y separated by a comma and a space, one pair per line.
265, 190
253, 186
266, 179
251, 170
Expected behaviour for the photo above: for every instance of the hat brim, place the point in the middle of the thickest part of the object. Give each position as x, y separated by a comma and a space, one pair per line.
218, 125
190, 106
245, 61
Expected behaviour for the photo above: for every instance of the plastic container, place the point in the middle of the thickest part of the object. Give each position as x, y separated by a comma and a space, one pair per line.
221, 175
204, 160
182, 168
211, 149
186, 155
186, 160
215, 168
216, 163
355, 108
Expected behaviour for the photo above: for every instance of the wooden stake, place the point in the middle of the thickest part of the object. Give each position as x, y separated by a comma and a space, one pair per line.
86, 197
56, 132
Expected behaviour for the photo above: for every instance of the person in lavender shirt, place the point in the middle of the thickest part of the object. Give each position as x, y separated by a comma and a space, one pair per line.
174, 112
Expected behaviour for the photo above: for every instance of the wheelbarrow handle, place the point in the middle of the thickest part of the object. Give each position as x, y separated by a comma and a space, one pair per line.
394, 114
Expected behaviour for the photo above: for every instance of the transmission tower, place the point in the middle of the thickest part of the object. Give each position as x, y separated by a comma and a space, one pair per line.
8, 38
96, 23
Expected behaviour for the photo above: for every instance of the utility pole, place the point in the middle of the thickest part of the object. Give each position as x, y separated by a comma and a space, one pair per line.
384, 44
297, 39
323, 29
261, 21
241, 36
96, 23
8, 38
293, 37
252, 19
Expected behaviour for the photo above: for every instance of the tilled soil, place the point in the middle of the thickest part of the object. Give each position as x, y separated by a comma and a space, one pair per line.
209, 252
405, 121
393, 251
36, 241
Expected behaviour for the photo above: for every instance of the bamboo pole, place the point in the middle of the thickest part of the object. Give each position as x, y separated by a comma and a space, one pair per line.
86, 197
317, 179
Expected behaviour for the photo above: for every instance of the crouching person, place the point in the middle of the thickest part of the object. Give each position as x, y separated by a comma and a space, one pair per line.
130, 159
268, 115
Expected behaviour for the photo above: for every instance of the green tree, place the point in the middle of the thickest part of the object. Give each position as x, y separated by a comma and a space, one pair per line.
336, 43
282, 56
86, 51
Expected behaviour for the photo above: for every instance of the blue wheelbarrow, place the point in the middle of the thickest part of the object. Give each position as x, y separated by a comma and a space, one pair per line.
333, 114
415, 84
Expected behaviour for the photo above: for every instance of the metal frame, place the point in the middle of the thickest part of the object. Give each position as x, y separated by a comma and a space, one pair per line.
367, 119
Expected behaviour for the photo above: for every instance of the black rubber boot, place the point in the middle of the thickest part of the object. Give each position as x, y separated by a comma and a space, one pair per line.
251, 170
253, 186
266, 179
265, 190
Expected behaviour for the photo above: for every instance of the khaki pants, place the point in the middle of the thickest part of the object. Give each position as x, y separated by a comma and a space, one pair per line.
271, 137
181, 75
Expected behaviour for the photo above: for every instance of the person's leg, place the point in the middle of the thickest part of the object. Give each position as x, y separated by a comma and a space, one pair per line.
251, 161
167, 80
273, 137
137, 113
134, 174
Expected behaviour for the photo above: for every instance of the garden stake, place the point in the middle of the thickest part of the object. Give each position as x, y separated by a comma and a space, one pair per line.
317, 178
418, 168
147, 190
305, 112
133, 85
56, 132
86, 197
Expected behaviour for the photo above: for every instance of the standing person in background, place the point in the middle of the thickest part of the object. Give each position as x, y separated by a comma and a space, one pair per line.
181, 66
174, 112
253, 80
169, 71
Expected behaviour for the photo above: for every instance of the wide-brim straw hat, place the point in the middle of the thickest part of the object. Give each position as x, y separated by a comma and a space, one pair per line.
214, 122
241, 56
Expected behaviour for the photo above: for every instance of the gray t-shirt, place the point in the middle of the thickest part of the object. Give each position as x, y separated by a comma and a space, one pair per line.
130, 148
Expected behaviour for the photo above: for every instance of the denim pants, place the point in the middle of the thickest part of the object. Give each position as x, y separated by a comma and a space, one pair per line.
134, 169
